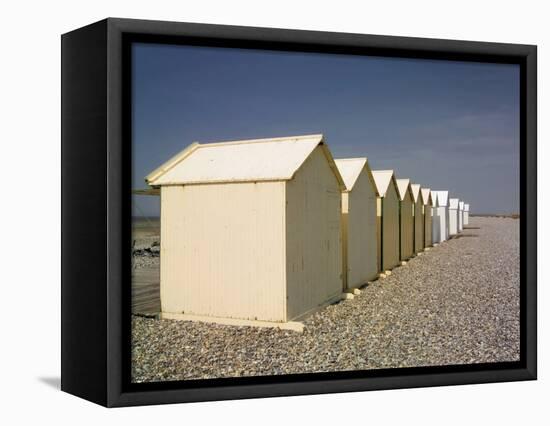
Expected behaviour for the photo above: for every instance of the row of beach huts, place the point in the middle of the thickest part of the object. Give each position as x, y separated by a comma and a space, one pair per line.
267, 231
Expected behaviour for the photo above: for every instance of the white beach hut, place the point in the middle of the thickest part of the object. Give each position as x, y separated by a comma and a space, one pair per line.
387, 212
466, 214
250, 230
359, 242
427, 207
441, 217
406, 219
460, 216
453, 216
418, 234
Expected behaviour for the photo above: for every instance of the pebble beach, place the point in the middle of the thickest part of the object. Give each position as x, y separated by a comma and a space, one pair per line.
457, 303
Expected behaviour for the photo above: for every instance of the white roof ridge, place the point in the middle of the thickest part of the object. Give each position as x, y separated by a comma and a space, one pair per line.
351, 159
295, 138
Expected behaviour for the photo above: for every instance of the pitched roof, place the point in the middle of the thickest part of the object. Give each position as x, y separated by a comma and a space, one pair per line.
240, 161
351, 168
415, 190
466, 207
434, 198
426, 195
382, 179
442, 197
403, 185
453, 203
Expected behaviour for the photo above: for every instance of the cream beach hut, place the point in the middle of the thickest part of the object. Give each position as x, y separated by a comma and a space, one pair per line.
418, 234
453, 216
359, 240
250, 230
460, 216
427, 213
436, 228
387, 212
406, 219
442, 221
466, 214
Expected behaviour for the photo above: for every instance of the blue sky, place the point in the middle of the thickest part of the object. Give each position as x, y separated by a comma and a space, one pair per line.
446, 125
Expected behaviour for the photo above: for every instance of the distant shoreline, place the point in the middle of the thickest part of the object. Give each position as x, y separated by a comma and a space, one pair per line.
502, 215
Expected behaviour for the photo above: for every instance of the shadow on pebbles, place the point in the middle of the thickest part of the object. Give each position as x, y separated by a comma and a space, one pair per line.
457, 303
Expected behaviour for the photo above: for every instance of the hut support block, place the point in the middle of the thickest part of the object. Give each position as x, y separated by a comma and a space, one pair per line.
347, 296
290, 325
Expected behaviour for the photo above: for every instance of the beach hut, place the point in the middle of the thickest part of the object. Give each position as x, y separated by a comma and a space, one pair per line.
436, 228
387, 211
418, 235
427, 204
441, 217
406, 219
359, 240
460, 216
466, 214
250, 230
453, 216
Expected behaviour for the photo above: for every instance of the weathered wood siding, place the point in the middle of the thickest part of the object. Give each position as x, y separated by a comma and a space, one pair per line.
407, 227
453, 221
388, 229
313, 237
439, 224
427, 214
418, 225
224, 259
360, 232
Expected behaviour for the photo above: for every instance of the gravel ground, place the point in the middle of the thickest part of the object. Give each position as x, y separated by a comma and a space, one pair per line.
146, 251
455, 304
145, 261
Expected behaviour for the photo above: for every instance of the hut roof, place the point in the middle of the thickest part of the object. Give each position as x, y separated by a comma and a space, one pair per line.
415, 190
382, 179
252, 160
350, 169
434, 198
453, 203
426, 196
466, 207
461, 205
404, 185
442, 198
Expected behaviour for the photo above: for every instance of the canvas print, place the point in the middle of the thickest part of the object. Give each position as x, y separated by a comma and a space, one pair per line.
298, 213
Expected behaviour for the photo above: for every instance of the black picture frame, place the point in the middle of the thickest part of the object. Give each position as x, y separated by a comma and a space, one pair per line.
96, 144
